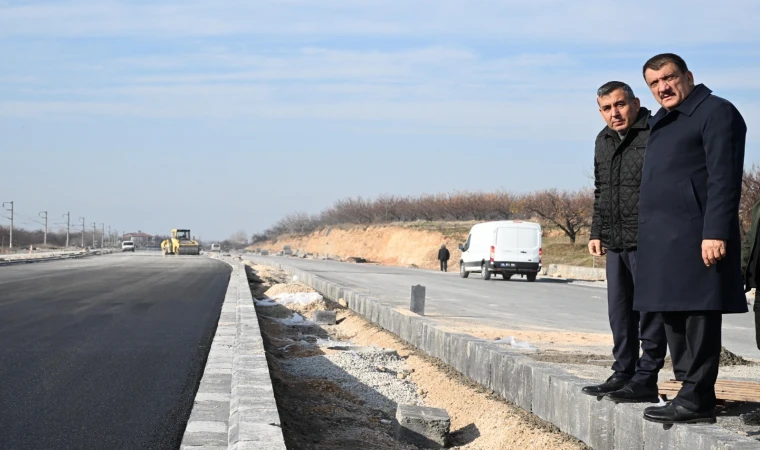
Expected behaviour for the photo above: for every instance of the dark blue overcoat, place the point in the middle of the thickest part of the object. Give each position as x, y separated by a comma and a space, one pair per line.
690, 189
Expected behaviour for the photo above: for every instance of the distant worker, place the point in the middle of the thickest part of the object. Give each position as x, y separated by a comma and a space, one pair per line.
443, 257
750, 268
618, 162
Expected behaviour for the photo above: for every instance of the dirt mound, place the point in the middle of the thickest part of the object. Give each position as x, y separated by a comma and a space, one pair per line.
731, 359
288, 288
389, 245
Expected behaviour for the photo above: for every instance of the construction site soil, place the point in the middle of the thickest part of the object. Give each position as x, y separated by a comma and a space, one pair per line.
330, 398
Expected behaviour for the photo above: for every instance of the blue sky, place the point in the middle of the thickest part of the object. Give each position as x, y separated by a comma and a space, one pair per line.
226, 115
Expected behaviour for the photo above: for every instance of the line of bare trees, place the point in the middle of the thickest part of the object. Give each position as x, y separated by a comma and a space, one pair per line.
568, 210
23, 238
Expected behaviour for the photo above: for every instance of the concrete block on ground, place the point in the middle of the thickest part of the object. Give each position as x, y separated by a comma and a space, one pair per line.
384, 319
422, 426
563, 410
479, 361
521, 383
712, 437
601, 423
405, 326
205, 433
629, 425
324, 317
255, 436
542, 404
658, 437
417, 305
417, 331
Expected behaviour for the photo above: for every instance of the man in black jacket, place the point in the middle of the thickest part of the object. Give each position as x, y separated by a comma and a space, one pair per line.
443, 257
618, 159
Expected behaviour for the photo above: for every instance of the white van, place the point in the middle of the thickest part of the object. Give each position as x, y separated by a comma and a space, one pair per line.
508, 247
216, 248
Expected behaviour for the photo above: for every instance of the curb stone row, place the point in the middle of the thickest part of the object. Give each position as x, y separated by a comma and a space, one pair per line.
235, 407
544, 389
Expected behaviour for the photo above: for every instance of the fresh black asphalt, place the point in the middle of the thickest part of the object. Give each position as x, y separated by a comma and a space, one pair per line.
105, 352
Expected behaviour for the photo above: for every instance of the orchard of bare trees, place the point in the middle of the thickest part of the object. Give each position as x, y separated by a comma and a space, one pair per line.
570, 211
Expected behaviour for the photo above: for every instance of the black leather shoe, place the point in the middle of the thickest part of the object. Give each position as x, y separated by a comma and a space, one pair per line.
672, 413
612, 384
634, 392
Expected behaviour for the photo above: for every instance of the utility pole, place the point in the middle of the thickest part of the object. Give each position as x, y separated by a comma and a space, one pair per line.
82, 231
68, 227
94, 229
46, 228
102, 235
110, 237
10, 245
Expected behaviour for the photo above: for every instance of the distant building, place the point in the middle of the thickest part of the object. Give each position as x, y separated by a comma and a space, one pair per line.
139, 238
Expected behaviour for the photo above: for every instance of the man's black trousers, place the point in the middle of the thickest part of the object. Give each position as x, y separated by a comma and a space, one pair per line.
694, 338
632, 330
444, 266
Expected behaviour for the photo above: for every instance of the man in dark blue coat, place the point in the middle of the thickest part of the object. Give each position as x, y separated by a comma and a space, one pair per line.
689, 254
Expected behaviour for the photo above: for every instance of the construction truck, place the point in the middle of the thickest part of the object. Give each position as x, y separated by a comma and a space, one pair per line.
180, 243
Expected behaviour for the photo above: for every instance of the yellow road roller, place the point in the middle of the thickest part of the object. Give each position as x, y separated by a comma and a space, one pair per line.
181, 243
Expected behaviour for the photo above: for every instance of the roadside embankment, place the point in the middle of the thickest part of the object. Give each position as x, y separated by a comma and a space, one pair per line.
544, 389
416, 245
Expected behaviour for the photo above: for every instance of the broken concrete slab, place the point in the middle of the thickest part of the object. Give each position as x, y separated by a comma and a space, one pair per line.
422, 426
324, 317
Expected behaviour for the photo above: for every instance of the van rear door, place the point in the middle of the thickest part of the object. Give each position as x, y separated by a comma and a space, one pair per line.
517, 243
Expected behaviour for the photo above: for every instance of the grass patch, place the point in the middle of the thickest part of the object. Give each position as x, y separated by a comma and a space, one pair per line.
558, 250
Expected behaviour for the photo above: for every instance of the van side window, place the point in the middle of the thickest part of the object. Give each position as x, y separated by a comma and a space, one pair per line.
467, 244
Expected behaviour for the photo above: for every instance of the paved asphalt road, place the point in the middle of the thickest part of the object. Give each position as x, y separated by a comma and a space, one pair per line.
548, 303
104, 352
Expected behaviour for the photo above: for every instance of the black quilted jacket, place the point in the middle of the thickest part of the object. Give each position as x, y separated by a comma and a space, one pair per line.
617, 177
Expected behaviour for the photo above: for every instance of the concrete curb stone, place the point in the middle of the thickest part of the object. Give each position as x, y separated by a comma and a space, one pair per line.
235, 407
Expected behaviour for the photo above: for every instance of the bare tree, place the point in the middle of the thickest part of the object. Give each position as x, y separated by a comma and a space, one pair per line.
571, 211
239, 236
750, 194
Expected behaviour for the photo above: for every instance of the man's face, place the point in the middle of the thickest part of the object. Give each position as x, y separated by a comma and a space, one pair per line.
669, 85
618, 111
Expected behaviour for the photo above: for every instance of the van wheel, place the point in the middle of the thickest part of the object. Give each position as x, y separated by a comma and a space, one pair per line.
532, 277
507, 277
462, 271
484, 273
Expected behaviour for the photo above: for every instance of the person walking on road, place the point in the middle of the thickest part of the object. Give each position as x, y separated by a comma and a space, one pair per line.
618, 160
443, 257
689, 254
750, 268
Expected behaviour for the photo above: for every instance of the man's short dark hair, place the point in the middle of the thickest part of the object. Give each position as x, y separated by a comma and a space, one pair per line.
611, 86
658, 61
